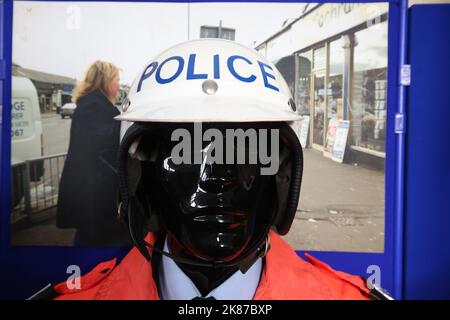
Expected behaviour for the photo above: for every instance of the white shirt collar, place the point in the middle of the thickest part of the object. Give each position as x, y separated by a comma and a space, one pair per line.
176, 285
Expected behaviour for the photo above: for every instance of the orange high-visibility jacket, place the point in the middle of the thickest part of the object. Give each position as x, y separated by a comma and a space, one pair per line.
285, 276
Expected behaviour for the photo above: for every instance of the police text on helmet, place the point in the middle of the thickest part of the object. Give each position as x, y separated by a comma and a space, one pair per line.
264, 70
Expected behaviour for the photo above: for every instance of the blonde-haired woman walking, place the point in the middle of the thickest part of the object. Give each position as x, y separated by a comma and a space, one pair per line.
88, 186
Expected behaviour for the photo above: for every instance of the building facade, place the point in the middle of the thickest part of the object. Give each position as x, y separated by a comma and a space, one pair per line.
339, 54
53, 90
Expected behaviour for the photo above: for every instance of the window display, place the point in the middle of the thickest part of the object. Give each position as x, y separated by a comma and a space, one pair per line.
319, 64
303, 91
368, 108
335, 104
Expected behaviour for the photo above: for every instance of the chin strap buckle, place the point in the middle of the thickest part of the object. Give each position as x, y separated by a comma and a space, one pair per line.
260, 253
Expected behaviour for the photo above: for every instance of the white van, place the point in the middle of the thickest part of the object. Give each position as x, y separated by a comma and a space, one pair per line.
26, 133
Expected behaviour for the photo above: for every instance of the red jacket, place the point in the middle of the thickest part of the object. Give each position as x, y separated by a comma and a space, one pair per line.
285, 276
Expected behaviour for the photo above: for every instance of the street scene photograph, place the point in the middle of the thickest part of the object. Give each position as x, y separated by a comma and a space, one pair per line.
341, 205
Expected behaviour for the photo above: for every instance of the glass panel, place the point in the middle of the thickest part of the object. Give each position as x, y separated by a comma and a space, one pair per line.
209, 32
53, 44
334, 101
342, 204
335, 105
319, 58
319, 108
303, 91
369, 88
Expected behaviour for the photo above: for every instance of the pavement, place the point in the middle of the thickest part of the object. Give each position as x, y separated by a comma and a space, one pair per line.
42, 232
341, 205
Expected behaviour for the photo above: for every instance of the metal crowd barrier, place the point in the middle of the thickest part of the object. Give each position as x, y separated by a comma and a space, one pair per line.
34, 186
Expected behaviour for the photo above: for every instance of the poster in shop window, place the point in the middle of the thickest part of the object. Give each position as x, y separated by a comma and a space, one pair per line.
340, 141
331, 137
304, 128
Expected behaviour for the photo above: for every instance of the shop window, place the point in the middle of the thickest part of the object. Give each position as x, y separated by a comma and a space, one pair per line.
334, 93
303, 92
286, 66
368, 107
319, 58
335, 105
319, 124
319, 107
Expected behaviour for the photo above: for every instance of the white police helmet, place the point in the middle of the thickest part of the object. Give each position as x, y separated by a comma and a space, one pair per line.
207, 80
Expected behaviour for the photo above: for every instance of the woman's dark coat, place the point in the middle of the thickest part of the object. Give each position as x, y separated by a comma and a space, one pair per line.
88, 186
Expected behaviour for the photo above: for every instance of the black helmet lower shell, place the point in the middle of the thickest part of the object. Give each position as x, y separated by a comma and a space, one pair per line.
142, 216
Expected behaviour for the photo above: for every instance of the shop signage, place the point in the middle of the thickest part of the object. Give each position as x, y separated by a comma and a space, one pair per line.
323, 22
340, 141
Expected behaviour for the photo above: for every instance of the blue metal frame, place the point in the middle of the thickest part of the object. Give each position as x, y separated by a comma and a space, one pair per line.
36, 263
400, 131
5, 138
427, 171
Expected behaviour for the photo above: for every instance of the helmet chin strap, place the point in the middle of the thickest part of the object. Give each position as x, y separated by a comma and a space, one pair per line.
243, 265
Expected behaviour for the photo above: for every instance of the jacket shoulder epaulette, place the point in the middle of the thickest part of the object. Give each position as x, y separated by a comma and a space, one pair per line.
85, 288
365, 288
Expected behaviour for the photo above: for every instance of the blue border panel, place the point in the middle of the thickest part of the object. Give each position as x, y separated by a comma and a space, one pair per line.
31, 268
5, 138
427, 236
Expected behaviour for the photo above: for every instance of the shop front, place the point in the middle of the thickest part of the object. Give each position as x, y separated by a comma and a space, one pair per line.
341, 74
